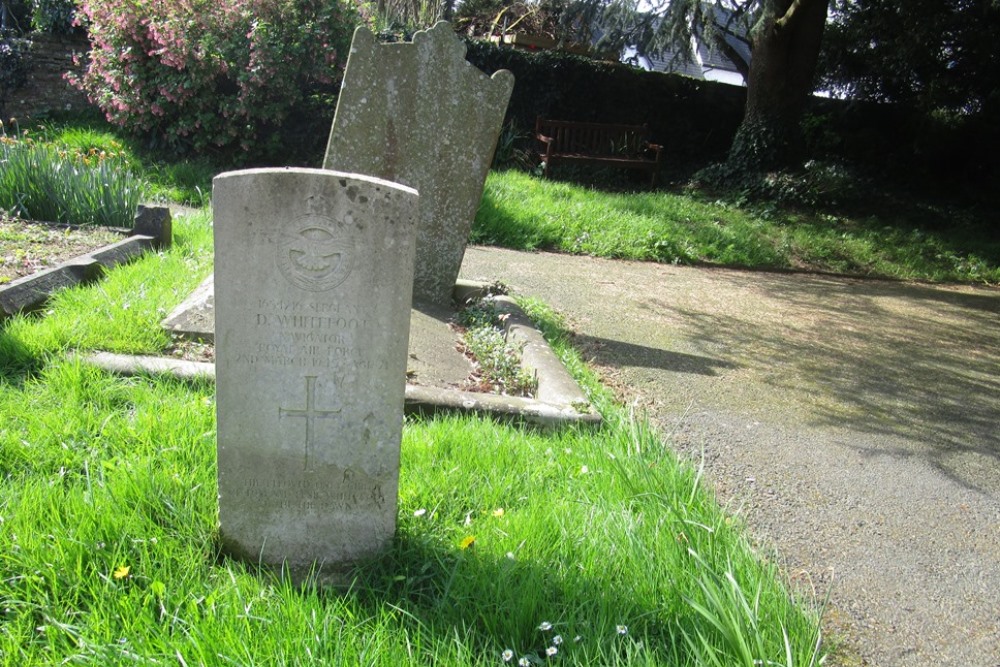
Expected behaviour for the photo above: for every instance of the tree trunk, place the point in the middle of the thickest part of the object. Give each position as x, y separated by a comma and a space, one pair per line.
786, 42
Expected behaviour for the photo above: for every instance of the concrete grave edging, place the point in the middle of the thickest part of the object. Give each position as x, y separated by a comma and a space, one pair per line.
560, 400
31, 292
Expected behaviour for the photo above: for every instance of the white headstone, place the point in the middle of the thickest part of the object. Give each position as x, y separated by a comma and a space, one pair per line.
420, 114
313, 274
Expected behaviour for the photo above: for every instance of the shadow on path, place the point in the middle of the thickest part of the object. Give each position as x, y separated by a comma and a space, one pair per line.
914, 362
619, 353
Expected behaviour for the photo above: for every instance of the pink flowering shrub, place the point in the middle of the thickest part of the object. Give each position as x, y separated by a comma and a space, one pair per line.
199, 74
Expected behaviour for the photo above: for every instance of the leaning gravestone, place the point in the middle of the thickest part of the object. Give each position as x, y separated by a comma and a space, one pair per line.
420, 114
313, 274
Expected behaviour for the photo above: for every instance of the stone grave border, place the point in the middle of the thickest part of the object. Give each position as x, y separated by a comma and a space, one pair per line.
151, 231
559, 400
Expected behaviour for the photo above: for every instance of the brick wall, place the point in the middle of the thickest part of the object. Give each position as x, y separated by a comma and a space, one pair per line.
51, 57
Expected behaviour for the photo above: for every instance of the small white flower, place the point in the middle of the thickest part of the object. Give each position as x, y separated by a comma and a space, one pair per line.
420, 512
557, 640
510, 555
507, 655
524, 662
551, 651
621, 629
545, 626
584, 470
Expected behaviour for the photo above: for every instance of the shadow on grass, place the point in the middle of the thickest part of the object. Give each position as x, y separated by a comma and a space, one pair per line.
495, 226
501, 602
17, 362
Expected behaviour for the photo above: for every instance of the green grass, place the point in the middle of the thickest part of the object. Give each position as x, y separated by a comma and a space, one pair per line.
892, 239
108, 511
899, 237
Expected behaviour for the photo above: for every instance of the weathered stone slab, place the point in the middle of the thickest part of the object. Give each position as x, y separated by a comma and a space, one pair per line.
123, 251
313, 279
30, 292
154, 221
419, 114
194, 318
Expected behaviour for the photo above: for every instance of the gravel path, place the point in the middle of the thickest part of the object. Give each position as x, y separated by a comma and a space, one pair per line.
855, 424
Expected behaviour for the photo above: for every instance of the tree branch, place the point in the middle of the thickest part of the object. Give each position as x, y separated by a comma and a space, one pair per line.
742, 66
793, 14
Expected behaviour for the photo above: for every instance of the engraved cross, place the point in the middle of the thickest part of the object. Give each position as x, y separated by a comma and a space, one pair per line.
310, 414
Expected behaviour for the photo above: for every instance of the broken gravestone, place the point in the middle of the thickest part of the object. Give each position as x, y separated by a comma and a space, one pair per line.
420, 114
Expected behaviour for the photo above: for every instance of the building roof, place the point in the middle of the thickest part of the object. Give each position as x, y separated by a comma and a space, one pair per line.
705, 60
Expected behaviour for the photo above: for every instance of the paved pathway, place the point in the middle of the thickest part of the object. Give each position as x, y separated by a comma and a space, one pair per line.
855, 424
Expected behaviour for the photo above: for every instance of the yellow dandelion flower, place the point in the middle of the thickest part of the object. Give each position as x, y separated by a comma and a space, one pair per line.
467, 542
498, 512
121, 572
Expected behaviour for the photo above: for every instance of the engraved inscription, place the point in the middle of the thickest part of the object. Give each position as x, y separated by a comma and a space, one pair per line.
349, 489
310, 256
310, 414
311, 335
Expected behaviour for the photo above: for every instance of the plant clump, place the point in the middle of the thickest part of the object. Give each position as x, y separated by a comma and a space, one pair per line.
80, 186
497, 362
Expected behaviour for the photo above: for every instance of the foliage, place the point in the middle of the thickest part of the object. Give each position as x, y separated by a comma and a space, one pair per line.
57, 17
513, 148
938, 55
83, 187
186, 181
657, 27
783, 35
693, 119
490, 18
201, 74
408, 16
14, 68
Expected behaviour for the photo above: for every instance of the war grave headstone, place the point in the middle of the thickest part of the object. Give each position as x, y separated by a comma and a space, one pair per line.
313, 278
419, 114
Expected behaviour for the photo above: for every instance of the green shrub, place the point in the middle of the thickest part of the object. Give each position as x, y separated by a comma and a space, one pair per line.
14, 68
57, 17
201, 74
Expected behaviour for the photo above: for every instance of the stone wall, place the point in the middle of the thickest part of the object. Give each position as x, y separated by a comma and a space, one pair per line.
51, 57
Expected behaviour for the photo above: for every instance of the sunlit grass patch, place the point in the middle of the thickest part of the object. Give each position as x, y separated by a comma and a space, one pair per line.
524, 212
509, 537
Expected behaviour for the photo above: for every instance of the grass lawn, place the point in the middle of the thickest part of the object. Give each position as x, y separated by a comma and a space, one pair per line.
589, 547
108, 526
884, 236
915, 240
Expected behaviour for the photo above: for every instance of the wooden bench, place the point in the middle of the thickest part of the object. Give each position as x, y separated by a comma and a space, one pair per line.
615, 145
